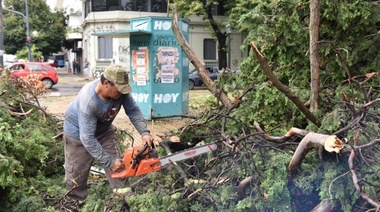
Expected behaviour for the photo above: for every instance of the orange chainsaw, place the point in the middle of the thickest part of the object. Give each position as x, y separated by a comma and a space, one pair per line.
141, 160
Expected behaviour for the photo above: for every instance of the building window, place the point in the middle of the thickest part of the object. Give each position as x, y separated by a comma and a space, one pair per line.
159, 6
128, 5
136, 5
209, 49
99, 5
105, 48
140, 5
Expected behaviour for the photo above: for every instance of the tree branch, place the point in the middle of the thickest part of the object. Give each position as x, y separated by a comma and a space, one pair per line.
196, 62
281, 139
331, 143
283, 88
356, 184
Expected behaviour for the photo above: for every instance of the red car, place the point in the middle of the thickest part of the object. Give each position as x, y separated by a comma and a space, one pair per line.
54, 64
48, 74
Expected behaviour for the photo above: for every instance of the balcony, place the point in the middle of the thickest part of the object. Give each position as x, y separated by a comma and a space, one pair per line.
74, 33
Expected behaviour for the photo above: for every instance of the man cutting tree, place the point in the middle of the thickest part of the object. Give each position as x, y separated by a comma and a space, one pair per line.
89, 133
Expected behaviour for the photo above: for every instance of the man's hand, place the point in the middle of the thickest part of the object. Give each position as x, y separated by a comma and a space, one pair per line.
118, 166
147, 139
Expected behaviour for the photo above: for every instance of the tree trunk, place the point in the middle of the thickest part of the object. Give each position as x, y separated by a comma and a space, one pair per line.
193, 58
221, 37
314, 49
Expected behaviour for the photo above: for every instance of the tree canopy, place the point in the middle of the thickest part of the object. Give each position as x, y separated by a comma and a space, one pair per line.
348, 37
207, 9
50, 26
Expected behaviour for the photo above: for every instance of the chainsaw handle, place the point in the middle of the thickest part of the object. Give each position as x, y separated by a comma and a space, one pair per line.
137, 158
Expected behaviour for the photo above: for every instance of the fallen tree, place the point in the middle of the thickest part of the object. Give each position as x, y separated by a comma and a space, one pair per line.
333, 167
284, 89
328, 145
30, 155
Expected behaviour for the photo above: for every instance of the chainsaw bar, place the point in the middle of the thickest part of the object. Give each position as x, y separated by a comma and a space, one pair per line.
188, 153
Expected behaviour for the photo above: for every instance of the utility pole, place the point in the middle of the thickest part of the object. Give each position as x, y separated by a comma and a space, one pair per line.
1, 37
28, 41
229, 31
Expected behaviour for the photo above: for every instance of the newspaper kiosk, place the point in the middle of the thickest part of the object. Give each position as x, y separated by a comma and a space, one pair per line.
159, 70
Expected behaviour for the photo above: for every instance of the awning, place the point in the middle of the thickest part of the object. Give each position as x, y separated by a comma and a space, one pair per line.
122, 33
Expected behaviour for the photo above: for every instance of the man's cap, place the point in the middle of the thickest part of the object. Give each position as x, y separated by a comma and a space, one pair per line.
119, 76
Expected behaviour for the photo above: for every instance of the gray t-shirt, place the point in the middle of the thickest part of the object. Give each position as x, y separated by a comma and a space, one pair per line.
88, 116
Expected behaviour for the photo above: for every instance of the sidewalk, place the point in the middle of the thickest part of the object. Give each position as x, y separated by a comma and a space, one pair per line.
56, 104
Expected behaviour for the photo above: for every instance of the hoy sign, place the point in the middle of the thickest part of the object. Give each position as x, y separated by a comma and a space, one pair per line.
157, 98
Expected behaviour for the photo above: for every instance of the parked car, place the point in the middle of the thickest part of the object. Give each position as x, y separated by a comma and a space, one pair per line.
195, 79
48, 74
53, 63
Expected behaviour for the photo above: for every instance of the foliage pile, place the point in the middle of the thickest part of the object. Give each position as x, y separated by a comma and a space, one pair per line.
31, 157
348, 106
31, 153
249, 173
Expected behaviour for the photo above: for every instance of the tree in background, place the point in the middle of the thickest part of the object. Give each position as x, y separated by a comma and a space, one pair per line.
348, 37
207, 9
50, 26
23, 53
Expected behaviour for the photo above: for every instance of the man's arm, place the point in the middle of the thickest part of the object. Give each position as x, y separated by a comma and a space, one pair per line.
87, 128
135, 115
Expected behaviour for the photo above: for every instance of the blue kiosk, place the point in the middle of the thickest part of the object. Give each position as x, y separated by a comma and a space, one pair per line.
159, 70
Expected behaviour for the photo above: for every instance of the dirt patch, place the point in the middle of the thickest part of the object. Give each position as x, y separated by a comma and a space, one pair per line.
197, 104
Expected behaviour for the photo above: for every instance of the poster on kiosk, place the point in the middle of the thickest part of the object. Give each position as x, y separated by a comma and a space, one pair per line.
159, 71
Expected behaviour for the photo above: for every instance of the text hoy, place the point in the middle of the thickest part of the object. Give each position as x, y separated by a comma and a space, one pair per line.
157, 98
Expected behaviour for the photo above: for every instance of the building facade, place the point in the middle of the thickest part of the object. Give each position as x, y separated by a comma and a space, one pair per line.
73, 11
100, 16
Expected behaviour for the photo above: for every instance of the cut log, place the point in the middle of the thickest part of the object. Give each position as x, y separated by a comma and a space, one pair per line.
244, 184
330, 143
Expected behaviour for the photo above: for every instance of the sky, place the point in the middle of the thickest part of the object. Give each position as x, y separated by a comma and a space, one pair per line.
52, 4
66, 4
